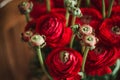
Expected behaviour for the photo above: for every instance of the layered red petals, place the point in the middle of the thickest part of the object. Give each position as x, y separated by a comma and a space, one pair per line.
107, 34
60, 70
115, 11
90, 16
53, 27
98, 62
100, 72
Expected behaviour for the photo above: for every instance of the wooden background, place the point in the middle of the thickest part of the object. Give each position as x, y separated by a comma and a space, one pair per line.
14, 54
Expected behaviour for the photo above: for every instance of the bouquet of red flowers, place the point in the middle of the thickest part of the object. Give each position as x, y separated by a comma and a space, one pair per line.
80, 39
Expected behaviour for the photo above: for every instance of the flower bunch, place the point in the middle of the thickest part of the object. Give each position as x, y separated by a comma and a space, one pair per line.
83, 37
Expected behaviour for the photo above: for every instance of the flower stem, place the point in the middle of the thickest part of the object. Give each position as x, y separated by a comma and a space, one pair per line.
67, 17
110, 8
48, 5
27, 17
38, 50
73, 20
83, 48
103, 9
79, 3
116, 68
88, 2
72, 40
84, 58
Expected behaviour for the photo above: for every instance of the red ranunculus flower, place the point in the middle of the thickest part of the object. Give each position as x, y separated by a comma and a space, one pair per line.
31, 26
109, 32
115, 11
90, 16
53, 27
99, 61
39, 8
64, 63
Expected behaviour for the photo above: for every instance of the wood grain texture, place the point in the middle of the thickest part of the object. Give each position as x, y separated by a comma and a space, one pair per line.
14, 54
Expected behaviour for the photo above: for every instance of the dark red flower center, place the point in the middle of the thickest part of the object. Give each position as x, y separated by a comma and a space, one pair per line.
86, 19
116, 30
64, 56
99, 50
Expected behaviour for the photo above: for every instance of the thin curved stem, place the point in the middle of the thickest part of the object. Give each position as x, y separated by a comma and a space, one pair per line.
27, 17
110, 8
67, 15
116, 68
83, 49
72, 41
73, 20
88, 2
103, 9
38, 50
84, 58
48, 5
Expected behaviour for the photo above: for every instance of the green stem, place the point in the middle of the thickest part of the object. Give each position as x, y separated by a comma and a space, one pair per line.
48, 5
116, 68
110, 8
38, 50
27, 17
103, 9
88, 2
84, 58
79, 3
72, 40
73, 20
67, 17
83, 48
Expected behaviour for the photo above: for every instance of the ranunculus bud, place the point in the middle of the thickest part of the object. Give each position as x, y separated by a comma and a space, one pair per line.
26, 35
85, 29
37, 40
76, 12
75, 28
70, 3
25, 7
90, 40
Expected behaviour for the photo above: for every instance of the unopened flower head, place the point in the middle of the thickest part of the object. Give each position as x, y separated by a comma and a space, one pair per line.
85, 29
25, 7
76, 12
37, 40
90, 40
27, 35
70, 3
